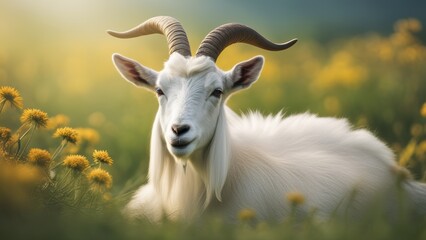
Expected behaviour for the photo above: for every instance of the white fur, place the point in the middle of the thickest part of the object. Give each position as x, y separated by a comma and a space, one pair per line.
252, 161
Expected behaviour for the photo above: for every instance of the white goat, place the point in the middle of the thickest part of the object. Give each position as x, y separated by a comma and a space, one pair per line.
205, 156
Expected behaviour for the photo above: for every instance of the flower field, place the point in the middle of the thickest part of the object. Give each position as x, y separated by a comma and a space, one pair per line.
74, 137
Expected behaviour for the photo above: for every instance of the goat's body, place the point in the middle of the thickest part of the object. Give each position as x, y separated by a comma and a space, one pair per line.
322, 158
338, 170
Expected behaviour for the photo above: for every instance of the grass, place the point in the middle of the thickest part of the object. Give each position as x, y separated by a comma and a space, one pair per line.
111, 225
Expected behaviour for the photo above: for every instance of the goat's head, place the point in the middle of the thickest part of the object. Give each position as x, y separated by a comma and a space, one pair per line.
191, 90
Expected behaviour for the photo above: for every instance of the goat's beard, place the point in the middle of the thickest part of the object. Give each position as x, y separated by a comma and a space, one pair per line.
183, 162
193, 159
184, 166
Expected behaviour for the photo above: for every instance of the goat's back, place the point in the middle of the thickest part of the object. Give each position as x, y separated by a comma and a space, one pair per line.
334, 166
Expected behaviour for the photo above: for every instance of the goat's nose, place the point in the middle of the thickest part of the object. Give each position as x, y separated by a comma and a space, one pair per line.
180, 129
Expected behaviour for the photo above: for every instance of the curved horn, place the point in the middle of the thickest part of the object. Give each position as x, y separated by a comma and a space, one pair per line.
168, 26
223, 36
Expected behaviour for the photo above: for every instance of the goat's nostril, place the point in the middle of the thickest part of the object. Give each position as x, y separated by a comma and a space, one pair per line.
180, 129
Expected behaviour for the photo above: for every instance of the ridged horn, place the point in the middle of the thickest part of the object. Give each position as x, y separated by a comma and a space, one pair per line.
168, 26
223, 36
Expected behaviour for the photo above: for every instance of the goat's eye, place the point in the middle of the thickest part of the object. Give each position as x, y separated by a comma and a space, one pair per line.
159, 92
217, 93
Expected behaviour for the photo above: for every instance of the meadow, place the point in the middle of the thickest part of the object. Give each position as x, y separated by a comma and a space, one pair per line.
74, 137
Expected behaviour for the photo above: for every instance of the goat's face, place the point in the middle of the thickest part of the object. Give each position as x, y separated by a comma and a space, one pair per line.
191, 93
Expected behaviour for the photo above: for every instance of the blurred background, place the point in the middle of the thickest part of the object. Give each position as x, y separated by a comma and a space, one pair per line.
361, 60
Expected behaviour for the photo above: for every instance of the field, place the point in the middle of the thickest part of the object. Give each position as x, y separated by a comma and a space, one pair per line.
75, 137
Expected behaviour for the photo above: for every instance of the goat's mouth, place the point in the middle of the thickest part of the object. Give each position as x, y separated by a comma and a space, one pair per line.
181, 147
179, 143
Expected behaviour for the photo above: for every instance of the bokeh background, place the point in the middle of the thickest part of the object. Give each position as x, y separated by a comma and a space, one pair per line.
362, 60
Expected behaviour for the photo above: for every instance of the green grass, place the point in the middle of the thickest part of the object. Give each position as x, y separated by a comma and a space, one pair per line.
109, 224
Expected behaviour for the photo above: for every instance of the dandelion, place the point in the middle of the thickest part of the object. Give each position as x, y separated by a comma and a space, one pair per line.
414, 25
87, 138
88, 134
34, 116
18, 183
295, 198
342, 70
102, 157
246, 214
56, 121
66, 133
10, 95
96, 119
39, 157
407, 153
423, 110
421, 149
100, 179
28, 175
77, 163
408, 25
5, 135
416, 130
7, 146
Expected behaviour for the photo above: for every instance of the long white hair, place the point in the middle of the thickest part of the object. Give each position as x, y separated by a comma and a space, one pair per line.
188, 192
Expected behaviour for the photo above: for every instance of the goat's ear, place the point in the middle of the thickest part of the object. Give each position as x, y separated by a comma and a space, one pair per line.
245, 73
134, 72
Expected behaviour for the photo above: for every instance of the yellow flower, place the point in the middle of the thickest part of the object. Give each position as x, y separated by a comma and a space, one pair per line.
11, 142
408, 25
421, 149
407, 153
88, 134
100, 179
416, 130
56, 121
423, 110
246, 214
76, 162
11, 95
102, 157
28, 175
342, 70
87, 137
66, 133
295, 198
39, 157
5, 134
18, 183
34, 116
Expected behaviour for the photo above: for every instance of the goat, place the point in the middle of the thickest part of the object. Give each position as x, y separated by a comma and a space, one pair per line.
204, 156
